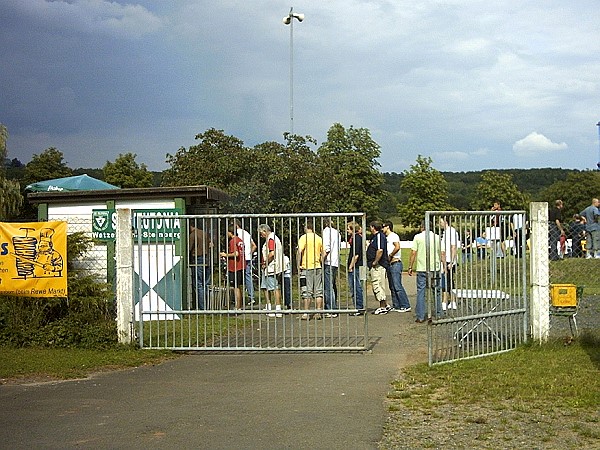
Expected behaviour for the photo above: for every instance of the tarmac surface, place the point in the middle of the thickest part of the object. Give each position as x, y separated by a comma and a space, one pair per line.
223, 401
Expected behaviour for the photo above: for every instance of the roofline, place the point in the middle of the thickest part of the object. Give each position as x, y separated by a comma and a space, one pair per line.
187, 192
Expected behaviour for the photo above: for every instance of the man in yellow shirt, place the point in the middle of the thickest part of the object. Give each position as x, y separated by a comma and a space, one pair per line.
310, 259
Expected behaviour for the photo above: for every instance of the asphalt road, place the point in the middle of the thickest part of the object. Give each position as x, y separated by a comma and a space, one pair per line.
242, 401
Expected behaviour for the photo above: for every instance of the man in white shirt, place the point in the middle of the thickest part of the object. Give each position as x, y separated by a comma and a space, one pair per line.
400, 302
331, 245
450, 244
249, 249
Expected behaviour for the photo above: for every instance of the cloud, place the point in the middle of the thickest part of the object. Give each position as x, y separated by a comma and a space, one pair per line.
92, 16
535, 144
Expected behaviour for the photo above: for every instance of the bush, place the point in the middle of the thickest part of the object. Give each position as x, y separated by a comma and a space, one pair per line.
85, 319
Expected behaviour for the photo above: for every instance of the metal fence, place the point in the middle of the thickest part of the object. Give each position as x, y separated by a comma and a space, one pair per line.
191, 293
574, 275
477, 303
95, 261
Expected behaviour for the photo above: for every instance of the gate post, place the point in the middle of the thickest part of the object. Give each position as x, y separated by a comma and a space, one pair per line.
540, 276
124, 256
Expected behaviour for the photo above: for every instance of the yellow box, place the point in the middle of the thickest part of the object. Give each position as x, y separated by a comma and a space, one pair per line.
563, 295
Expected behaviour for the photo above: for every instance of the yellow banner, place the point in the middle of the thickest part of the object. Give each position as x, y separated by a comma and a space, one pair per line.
33, 259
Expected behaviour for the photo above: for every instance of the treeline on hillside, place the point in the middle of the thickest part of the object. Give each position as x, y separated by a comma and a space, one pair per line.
462, 186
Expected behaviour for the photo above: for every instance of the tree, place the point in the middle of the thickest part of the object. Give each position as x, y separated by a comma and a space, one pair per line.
426, 190
217, 160
46, 166
498, 186
10, 191
348, 177
576, 191
125, 172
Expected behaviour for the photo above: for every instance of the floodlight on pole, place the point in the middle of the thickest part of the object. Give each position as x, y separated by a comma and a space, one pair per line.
289, 20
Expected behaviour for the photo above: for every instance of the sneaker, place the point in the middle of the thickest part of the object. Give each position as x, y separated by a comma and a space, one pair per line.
452, 305
251, 302
382, 310
330, 316
403, 309
304, 317
272, 315
359, 313
444, 306
317, 316
420, 321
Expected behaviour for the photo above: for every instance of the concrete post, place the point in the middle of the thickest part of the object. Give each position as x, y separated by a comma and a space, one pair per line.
540, 273
124, 277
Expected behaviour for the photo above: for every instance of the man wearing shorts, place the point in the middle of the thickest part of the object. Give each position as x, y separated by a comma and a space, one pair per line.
310, 259
272, 265
236, 264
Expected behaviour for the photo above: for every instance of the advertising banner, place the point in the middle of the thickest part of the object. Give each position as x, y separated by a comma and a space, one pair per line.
33, 259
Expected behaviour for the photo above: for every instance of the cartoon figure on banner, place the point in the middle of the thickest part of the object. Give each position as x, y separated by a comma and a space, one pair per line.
35, 258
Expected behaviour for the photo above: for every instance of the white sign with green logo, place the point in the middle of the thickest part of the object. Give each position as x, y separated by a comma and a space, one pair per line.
155, 225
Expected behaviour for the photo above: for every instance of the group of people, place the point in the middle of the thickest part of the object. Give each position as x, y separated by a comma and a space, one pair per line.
585, 225
317, 257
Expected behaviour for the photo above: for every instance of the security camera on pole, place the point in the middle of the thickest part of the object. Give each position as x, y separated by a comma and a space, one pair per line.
289, 20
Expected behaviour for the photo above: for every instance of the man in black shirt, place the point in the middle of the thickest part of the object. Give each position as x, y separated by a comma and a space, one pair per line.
555, 229
378, 262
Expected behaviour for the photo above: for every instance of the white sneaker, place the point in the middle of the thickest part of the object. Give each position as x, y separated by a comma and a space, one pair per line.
382, 310
444, 306
452, 305
278, 308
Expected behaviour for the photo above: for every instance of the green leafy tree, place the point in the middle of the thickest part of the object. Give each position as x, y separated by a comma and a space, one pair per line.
125, 172
497, 186
10, 192
576, 191
348, 177
426, 190
217, 160
46, 166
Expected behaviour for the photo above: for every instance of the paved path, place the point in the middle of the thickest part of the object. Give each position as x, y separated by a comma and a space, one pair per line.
248, 401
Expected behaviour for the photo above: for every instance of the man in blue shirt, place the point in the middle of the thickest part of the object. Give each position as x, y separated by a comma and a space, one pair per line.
592, 229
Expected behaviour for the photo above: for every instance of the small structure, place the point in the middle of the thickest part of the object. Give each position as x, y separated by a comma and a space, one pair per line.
94, 213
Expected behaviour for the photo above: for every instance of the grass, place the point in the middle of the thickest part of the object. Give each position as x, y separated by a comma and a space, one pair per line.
532, 391
531, 375
65, 363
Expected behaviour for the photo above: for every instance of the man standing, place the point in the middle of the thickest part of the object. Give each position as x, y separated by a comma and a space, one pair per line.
427, 265
236, 263
377, 262
555, 229
249, 249
310, 257
400, 302
355, 262
200, 244
592, 229
272, 265
450, 243
331, 244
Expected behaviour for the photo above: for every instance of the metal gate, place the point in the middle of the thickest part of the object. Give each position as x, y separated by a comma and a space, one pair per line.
477, 300
235, 282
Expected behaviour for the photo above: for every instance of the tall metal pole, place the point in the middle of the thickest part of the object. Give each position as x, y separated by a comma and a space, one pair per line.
292, 71
289, 20
598, 163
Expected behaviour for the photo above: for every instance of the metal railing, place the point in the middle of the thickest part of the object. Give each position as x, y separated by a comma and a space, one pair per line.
189, 296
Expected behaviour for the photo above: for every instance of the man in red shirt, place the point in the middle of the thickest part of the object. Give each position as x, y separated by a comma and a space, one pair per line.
236, 265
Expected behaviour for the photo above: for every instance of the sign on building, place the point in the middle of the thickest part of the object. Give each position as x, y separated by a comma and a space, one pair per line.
157, 225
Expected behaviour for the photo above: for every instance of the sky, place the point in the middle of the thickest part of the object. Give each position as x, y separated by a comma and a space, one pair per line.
472, 84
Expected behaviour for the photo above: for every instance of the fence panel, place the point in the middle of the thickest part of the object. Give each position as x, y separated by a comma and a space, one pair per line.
478, 301
191, 295
574, 271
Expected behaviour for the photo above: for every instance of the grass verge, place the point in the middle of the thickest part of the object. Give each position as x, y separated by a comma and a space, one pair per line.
44, 364
536, 396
